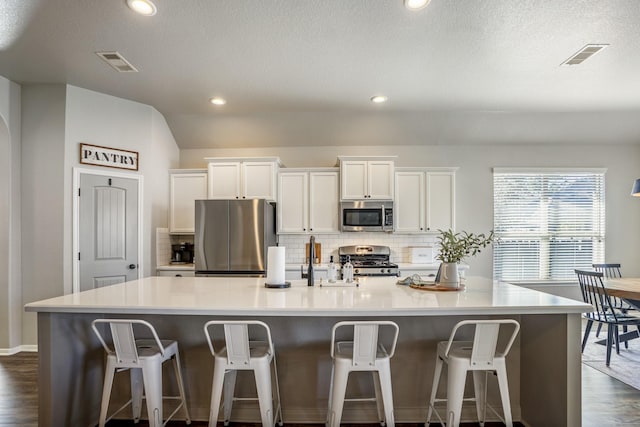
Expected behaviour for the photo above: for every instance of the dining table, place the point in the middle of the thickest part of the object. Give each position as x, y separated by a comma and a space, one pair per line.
627, 288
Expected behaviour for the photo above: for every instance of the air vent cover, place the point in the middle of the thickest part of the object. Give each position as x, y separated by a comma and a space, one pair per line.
583, 54
117, 61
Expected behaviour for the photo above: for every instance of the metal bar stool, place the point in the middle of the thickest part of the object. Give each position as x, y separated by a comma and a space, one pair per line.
363, 353
479, 356
241, 353
144, 359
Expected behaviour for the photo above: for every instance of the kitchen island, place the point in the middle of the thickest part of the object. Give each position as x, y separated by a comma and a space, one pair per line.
544, 366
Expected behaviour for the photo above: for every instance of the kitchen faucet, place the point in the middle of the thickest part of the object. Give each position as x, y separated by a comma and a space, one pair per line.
312, 257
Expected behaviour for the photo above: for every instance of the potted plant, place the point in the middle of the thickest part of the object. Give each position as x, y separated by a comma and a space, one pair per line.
454, 247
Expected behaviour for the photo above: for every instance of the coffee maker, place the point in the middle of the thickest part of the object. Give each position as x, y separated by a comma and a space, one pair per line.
182, 253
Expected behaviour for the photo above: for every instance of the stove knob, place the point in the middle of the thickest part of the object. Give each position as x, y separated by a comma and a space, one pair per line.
382, 271
356, 271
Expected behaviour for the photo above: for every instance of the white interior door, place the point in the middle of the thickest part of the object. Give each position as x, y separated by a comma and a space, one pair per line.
108, 230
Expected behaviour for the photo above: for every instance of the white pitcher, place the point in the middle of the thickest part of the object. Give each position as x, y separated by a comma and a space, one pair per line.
449, 275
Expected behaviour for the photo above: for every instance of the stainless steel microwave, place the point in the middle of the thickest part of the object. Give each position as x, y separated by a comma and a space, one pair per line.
366, 216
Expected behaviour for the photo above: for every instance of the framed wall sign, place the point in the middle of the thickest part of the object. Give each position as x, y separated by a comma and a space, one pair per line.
109, 157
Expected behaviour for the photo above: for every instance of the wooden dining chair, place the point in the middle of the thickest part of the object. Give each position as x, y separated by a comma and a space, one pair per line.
594, 293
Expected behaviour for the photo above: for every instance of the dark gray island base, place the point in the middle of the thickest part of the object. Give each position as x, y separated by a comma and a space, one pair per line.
544, 366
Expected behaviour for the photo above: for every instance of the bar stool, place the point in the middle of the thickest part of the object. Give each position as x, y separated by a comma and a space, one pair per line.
240, 353
363, 353
479, 356
144, 359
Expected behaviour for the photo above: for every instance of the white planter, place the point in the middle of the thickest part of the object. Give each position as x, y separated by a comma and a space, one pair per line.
448, 275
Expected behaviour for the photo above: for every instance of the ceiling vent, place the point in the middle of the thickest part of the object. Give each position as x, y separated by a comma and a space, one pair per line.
583, 54
117, 61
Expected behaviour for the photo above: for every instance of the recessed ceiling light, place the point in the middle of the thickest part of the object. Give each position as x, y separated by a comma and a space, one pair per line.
379, 99
416, 4
143, 7
218, 101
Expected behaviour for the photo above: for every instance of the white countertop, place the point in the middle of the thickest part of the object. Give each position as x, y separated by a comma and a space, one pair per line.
375, 296
296, 267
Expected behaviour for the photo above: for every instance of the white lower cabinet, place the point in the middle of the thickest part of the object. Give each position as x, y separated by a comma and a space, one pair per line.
308, 201
175, 273
424, 200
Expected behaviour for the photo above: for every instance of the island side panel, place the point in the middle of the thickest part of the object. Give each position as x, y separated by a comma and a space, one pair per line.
70, 370
551, 378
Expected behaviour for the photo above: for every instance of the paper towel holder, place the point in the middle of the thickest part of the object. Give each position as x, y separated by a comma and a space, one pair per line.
277, 285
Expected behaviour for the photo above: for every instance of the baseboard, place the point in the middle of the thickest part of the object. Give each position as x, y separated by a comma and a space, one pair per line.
20, 348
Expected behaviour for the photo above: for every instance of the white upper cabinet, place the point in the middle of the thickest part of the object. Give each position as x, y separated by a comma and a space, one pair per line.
409, 207
243, 178
323, 202
185, 187
424, 200
307, 201
366, 178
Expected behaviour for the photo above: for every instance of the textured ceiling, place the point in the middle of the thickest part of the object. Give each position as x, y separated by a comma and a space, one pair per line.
302, 71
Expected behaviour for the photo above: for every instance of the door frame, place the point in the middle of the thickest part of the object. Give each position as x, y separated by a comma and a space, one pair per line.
77, 171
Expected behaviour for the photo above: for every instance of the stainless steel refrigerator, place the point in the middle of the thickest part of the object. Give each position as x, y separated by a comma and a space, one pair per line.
232, 237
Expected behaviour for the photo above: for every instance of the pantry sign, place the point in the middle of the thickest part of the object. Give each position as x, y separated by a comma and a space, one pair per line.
109, 157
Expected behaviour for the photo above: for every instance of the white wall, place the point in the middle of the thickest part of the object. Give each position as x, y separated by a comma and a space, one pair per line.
474, 180
10, 275
56, 119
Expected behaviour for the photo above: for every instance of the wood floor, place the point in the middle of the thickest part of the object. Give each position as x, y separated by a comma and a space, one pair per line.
605, 400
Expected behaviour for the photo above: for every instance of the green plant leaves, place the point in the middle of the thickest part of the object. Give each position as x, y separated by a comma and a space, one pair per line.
456, 246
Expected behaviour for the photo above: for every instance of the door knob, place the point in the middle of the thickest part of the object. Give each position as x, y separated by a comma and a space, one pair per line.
132, 266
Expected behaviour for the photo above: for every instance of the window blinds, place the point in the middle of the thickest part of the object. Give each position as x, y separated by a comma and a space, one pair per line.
548, 223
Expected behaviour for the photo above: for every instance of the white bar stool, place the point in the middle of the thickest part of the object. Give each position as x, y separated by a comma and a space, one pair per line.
363, 353
479, 356
144, 359
241, 353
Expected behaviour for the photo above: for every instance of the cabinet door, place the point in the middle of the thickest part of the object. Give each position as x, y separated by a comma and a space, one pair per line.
409, 206
292, 202
323, 202
259, 180
440, 201
224, 180
185, 189
353, 179
380, 179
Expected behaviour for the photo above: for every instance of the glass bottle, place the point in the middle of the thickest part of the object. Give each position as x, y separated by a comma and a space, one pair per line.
332, 271
347, 271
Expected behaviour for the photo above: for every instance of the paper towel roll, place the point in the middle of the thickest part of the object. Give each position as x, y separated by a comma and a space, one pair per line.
275, 265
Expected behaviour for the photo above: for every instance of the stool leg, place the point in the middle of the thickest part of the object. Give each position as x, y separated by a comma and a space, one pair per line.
434, 388
379, 406
501, 372
387, 392
279, 408
136, 393
228, 392
178, 370
152, 378
455, 391
340, 378
480, 390
216, 391
330, 409
106, 390
265, 396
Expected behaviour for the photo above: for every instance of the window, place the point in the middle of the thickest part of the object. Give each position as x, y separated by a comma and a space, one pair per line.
548, 222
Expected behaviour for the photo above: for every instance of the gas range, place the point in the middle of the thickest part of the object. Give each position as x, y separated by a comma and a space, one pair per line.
369, 260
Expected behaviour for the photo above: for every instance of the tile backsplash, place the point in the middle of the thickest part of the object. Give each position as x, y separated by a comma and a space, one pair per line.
399, 244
